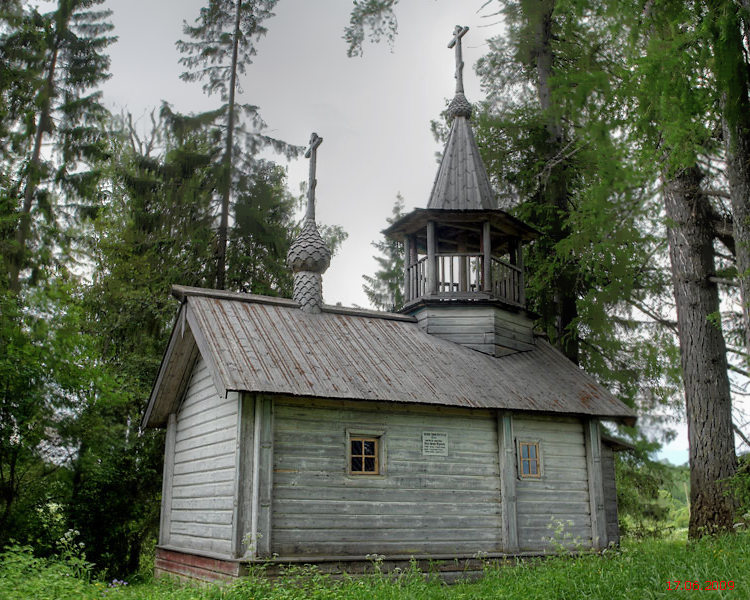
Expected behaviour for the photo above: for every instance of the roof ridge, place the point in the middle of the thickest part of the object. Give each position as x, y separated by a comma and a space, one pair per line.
182, 291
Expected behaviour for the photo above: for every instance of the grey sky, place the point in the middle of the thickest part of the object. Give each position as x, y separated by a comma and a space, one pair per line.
373, 112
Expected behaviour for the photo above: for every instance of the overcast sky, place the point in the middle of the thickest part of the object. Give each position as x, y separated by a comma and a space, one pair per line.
373, 112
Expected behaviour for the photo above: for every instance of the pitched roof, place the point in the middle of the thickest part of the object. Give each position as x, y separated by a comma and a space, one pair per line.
462, 182
268, 345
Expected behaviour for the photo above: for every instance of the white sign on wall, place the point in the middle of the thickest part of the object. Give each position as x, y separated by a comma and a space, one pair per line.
434, 443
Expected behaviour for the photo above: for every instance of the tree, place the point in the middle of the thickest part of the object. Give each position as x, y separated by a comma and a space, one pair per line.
262, 233
223, 45
704, 364
61, 53
731, 71
385, 289
155, 230
48, 372
375, 18
672, 123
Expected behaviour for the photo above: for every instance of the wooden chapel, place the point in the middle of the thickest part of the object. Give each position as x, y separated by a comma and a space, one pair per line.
299, 432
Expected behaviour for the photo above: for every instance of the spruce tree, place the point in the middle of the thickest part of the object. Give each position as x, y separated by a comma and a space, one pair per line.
56, 59
384, 288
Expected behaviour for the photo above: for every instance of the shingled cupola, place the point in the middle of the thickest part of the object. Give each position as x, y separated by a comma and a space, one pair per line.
308, 256
463, 268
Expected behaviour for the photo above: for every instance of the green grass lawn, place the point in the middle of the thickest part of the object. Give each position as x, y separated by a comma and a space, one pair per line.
639, 570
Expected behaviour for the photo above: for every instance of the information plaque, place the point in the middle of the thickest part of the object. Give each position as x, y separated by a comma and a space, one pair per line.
434, 443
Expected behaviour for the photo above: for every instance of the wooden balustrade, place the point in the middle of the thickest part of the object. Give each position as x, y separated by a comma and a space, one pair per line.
461, 273
416, 279
507, 282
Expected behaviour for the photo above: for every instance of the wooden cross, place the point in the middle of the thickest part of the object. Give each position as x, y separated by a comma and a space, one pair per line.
312, 154
458, 33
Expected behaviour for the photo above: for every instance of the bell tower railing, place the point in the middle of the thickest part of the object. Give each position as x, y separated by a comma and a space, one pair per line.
462, 275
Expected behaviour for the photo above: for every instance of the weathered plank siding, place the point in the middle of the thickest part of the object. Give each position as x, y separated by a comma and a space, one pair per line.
559, 500
487, 329
422, 505
203, 481
610, 494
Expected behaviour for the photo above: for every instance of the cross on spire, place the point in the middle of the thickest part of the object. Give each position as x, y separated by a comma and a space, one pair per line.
312, 154
458, 33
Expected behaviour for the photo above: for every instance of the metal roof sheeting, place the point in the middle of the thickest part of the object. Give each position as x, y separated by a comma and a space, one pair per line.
276, 348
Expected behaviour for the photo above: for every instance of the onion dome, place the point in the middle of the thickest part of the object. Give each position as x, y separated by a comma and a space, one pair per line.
459, 107
309, 252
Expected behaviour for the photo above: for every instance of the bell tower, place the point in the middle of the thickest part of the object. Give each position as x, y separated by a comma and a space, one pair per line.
463, 267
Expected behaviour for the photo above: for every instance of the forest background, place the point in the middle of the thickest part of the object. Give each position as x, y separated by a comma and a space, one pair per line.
599, 125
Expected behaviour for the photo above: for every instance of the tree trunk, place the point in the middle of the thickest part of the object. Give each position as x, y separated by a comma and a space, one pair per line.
555, 188
731, 74
227, 184
703, 352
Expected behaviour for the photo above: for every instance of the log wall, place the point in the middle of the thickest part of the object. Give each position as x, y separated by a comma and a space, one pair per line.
557, 505
203, 482
439, 505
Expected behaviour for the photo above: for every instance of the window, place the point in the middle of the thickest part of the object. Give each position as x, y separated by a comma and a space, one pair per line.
363, 456
529, 465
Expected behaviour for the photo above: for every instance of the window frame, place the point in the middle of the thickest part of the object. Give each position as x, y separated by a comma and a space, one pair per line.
537, 445
366, 435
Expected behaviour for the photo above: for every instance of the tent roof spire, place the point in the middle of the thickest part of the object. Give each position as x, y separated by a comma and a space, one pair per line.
461, 182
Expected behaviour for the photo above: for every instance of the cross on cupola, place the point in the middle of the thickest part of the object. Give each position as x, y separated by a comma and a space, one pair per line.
458, 33
308, 256
312, 154
459, 106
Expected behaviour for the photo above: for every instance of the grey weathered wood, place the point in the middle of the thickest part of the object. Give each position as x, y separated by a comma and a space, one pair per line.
458, 33
429, 500
173, 377
203, 483
207, 356
263, 476
522, 277
596, 488
312, 182
166, 494
242, 517
488, 329
506, 457
610, 495
560, 498
487, 257
407, 264
363, 508
431, 259
222, 547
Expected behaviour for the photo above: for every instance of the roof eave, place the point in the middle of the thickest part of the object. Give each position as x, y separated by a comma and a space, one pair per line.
414, 220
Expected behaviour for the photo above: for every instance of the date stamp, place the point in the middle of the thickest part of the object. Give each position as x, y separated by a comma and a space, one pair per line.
700, 586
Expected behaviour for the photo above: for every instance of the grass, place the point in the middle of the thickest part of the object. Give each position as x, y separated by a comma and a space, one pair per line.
640, 569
